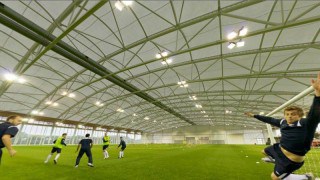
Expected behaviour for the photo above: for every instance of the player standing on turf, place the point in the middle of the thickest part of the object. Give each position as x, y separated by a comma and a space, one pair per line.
57, 147
106, 142
123, 147
85, 146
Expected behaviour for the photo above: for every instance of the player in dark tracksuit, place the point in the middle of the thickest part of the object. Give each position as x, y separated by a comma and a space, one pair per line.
123, 147
296, 137
8, 130
86, 145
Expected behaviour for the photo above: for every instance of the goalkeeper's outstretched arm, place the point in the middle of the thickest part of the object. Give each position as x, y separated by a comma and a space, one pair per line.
266, 119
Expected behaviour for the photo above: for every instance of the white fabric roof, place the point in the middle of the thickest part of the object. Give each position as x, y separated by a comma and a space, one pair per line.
280, 56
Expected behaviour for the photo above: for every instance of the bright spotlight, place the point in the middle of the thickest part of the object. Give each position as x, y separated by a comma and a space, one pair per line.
240, 43
119, 5
164, 53
127, 3
21, 80
243, 31
231, 45
48, 103
71, 95
232, 35
10, 77
158, 55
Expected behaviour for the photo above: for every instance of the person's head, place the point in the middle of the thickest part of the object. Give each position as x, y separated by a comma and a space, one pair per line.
87, 135
105, 134
64, 135
121, 138
293, 114
15, 120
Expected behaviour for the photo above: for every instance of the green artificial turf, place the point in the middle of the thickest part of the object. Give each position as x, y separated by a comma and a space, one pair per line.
149, 162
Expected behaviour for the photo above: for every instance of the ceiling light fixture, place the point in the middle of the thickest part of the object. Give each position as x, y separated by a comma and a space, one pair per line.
183, 84
163, 55
166, 61
48, 102
228, 112
120, 110
242, 32
10, 77
231, 45
71, 95
198, 106
121, 4
21, 80
35, 112
240, 43
232, 35
193, 97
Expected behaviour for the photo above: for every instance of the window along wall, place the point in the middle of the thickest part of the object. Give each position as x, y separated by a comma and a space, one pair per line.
43, 133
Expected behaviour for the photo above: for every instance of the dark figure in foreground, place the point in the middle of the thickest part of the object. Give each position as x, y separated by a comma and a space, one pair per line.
85, 146
296, 137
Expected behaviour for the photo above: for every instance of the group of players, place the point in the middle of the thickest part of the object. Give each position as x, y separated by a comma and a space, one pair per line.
288, 156
8, 130
85, 146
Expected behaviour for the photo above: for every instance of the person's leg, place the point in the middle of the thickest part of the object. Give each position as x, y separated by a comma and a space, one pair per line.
270, 153
103, 151
122, 152
106, 150
284, 167
57, 156
299, 177
274, 177
49, 156
295, 166
89, 155
81, 152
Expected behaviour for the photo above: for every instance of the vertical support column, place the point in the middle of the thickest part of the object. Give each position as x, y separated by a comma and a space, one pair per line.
118, 137
42, 137
270, 133
50, 137
29, 140
126, 138
35, 141
134, 137
74, 135
92, 135
226, 137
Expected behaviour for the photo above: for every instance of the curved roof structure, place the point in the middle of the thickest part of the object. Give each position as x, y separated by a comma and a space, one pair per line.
89, 62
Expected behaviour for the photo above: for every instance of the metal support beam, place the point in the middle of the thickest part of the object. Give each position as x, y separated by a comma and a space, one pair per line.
36, 33
18, 68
